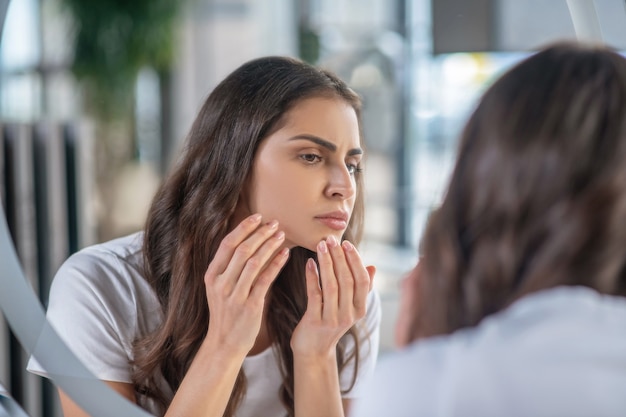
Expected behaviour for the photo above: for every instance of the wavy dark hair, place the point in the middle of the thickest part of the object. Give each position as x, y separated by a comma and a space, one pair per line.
192, 211
537, 198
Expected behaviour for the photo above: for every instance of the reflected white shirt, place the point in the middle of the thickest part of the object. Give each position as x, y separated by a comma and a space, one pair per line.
558, 352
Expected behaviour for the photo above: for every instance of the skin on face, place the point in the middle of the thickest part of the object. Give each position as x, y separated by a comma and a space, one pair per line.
304, 173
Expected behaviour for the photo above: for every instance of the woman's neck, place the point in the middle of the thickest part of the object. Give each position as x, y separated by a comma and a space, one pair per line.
263, 340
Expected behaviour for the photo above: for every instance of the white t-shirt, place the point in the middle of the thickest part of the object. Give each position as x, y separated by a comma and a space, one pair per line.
100, 303
559, 352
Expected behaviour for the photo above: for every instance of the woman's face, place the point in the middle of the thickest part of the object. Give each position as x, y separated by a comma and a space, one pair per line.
304, 173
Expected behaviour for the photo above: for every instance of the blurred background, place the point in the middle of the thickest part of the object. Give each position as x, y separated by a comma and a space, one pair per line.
97, 96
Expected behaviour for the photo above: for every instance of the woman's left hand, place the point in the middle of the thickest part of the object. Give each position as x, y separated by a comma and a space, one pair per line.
338, 304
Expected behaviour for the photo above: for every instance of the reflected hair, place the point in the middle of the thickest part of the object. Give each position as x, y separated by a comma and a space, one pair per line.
192, 211
537, 198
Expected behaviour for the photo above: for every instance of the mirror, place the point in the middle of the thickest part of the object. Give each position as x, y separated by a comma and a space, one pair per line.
69, 162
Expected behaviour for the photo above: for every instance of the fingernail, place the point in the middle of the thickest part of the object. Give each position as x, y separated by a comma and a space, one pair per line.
310, 264
273, 224
284, 252
347, 246
332, 242
280, 235
322, 247
255, 218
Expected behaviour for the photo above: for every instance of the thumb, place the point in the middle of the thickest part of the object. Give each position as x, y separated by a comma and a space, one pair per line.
371, 271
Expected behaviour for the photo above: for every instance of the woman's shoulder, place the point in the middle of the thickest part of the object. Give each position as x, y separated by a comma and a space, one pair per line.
405, 382
100, 303
110, 273
123, 250
119, 258
104, 285
564, 334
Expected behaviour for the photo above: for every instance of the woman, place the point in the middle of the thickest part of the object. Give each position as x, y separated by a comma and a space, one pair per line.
520, 301
218, 307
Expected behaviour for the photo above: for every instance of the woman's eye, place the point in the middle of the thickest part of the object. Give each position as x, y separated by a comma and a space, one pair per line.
311, 158
353, 169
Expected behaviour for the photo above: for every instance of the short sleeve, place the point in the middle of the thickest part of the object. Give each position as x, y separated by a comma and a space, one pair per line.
369, 340
91, 309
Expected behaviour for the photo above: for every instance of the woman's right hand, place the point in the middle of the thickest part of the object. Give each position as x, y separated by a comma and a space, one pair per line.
237, 280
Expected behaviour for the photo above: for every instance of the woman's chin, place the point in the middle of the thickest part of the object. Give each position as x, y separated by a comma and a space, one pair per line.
310, 245
293, 243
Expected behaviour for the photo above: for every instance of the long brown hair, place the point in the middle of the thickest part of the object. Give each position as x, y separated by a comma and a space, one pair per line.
537, 198
191, 214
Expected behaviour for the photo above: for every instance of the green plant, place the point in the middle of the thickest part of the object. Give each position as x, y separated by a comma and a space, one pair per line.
113, 40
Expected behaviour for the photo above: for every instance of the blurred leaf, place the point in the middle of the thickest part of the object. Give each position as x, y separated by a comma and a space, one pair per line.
114, 39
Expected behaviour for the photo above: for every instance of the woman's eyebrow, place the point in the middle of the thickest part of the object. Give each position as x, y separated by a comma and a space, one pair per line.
326, 144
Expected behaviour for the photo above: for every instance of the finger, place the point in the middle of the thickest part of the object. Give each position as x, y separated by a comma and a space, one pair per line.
246, 250
256, 263
328, 281
313, 290
343, 274
269, 275
230, 242
361, 276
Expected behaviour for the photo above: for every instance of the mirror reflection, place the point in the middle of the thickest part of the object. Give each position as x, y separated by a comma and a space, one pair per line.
100, 108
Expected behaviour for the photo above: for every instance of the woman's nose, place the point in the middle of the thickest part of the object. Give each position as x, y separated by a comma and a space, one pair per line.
341, 183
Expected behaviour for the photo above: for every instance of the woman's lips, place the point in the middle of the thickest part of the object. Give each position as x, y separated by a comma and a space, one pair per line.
333, 222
